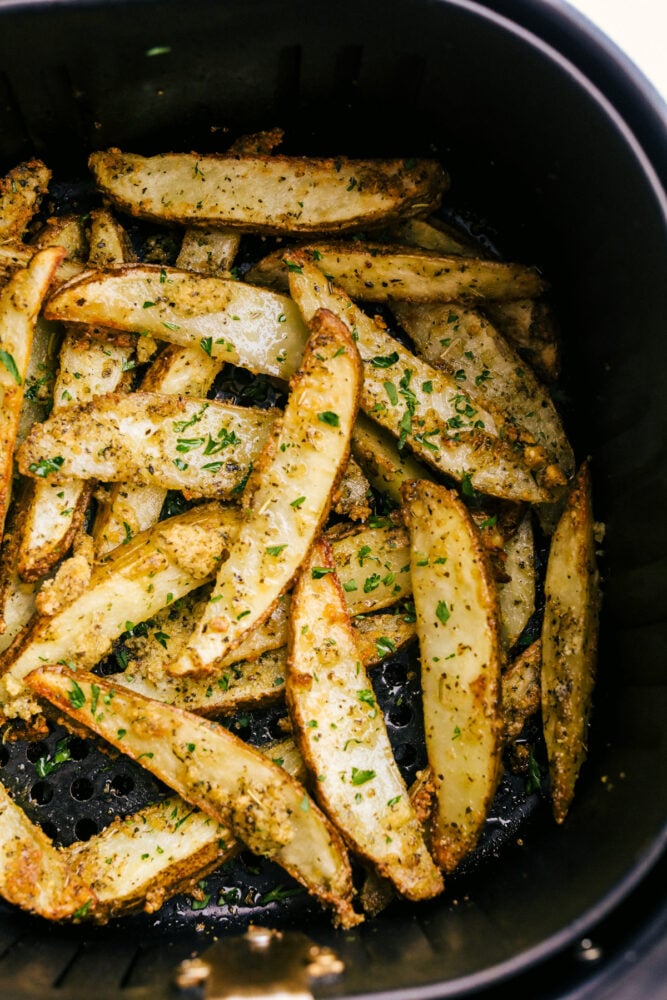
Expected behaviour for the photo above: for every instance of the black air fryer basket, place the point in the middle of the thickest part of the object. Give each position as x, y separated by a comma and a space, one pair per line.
558, 157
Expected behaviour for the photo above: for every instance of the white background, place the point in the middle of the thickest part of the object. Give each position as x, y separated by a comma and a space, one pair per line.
639, 28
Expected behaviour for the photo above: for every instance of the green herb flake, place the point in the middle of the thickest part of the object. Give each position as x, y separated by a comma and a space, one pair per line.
385, 360
327, 417
298, 502
76, 696
319, 571
8, 361
442, 612
360, 777
275, 550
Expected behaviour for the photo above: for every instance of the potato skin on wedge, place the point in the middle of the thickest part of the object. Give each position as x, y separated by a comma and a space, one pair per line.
342, 736
267, 194
569, 641
231, 781
459, 638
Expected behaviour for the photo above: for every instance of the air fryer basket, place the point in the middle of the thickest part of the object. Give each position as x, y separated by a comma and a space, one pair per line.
543, 167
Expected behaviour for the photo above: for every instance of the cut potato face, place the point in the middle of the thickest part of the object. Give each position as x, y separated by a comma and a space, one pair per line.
378, 273
289, 495
20, 302
459, 646
133, 584
228, 320
419, 405
517, 594
197, 445
267, 194
208, 251
342, 735
569, 642
209, 767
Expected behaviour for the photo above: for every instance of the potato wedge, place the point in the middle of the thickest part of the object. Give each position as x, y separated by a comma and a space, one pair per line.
380, 273
209, 767
517, 595
14, 256
17, 598
341, 734
521, 690
131, 507
33, 873
529, 325
459, 639
465, 344
289, 494
417, 404
373, 565
21, 191
246, 683
436, 235
569, 641
208, 251
39, 377
229, 320
66, 231
177, 442
86, 368
20, 302
386, 467
267, 194
134, 583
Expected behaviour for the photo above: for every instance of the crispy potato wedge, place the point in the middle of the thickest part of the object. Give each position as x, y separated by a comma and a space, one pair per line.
289, 495
521, 690
21, 191
342, 736
14, 256
229, 320
245, 683
517, 595
380, 273
180, 443
529, 325
132, 585
459, 639
465, 344
17, 598
67, 231
436, 235
373, 565
267, 194
208, 251
131, 507
39, 377
209, 767
20, 302
352, 499
386, 467
86, 368
421, 406
33, 873
569, 641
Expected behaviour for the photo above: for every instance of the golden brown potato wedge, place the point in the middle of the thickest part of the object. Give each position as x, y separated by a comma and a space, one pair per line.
267, 194
463, 343
229, 320
21, 191
530, 325
380, 273
517, 594
209, 767
15, 255
181, 443
288, 495
569, 641
20, 302
134, 583
244, 683
386, 467
131, 507
208, 251
341, 734
459, 646
521, 690
421, 406
66, 231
